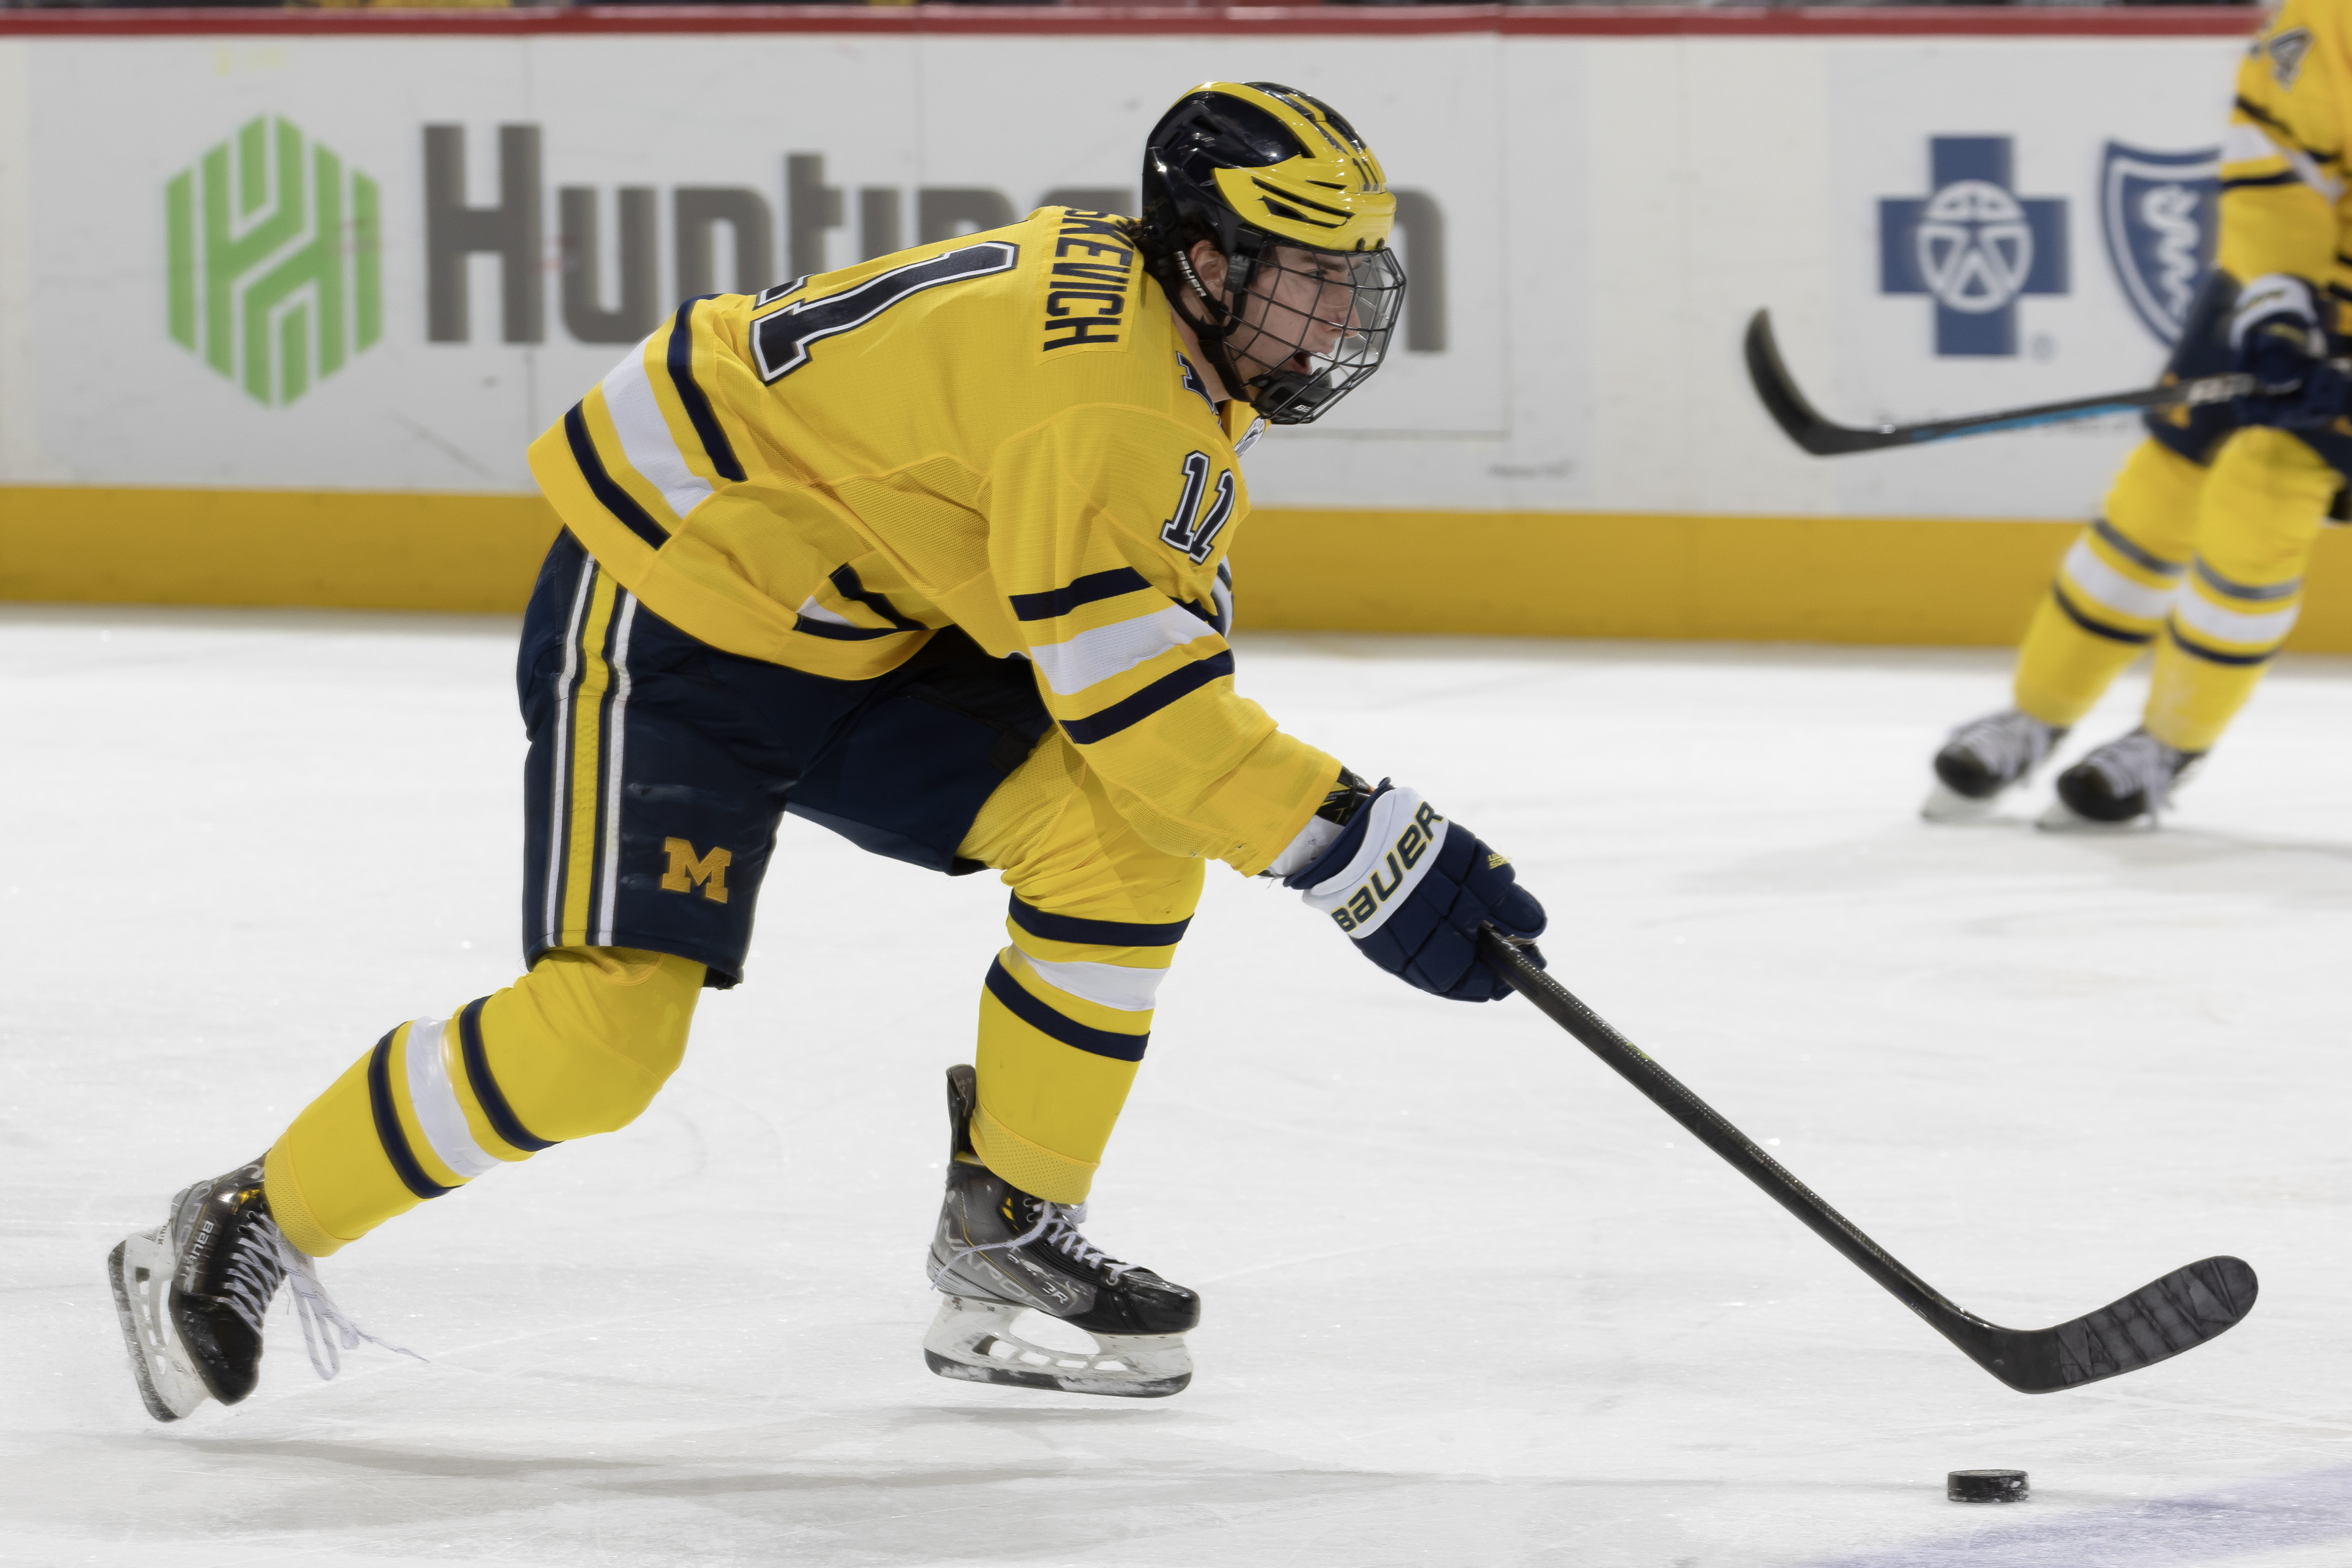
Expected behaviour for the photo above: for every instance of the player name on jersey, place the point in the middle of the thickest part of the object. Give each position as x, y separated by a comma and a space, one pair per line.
1091, 284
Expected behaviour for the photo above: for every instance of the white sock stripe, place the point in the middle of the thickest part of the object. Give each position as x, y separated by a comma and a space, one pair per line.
616, 736
2223, 625
434, 1099
1104, 984
2094, 581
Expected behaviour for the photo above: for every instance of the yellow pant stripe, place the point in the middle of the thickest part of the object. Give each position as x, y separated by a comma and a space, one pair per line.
587, 707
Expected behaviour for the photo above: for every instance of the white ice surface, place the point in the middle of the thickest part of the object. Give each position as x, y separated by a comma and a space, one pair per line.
1469, 1298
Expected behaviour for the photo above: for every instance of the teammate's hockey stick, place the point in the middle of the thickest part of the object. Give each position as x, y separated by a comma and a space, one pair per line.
1822, 439
2177, 1312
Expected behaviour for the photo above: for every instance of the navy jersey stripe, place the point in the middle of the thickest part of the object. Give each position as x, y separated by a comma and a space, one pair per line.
2283, 177
1093, 933
616, 500
1069, 1031
1177, 683
1083, 590
715, 445
816, 628
388, 1130
501, 1115
2256, 112
844, 582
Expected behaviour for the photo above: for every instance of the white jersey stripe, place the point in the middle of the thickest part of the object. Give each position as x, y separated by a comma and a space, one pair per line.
645, 434
1072, 665
435, 1099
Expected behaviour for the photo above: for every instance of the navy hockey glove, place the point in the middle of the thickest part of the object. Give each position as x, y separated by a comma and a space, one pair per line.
1412, 889
2276, 336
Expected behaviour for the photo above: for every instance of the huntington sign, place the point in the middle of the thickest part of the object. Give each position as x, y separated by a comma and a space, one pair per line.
273, 273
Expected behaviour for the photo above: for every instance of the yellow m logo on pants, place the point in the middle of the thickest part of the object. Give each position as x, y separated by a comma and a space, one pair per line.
689, 871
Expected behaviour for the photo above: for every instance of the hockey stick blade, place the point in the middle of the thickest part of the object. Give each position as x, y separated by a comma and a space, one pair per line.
1823, 437
2155, 1323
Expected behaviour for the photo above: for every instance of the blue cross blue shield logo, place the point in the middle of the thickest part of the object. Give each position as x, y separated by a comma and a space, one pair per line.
2159, 212
1973, 244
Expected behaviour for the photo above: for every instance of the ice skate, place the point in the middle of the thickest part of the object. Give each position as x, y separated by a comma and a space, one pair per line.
1983, 759
999, 1252
192, 1294
2124, 784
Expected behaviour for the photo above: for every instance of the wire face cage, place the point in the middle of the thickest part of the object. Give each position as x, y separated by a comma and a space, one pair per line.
1305, 327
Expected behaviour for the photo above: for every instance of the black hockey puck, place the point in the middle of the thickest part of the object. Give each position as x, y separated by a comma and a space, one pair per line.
1985, 1486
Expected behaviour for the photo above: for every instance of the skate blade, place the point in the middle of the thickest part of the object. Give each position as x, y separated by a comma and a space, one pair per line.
140, 1270
974, 1341
1949, 806
2063, 818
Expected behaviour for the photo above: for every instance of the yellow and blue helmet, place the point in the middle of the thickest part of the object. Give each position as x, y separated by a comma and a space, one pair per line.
1278, 183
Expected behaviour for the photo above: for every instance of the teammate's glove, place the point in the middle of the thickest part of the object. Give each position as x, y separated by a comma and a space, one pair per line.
2278, 341
1412, 889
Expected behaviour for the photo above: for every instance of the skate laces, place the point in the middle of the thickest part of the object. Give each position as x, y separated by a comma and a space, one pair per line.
2010, 742
324, 1323
2139, 762
1056, 1226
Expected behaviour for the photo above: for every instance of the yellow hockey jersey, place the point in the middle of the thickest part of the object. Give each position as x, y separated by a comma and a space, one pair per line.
997, 432
2284, 197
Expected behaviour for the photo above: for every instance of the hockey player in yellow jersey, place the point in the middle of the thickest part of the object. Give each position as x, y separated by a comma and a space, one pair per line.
2208, 531
930, 550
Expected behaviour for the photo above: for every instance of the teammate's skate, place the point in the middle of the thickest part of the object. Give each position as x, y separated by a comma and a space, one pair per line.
2123, 784
999, 1252
192, 1294
1984, 758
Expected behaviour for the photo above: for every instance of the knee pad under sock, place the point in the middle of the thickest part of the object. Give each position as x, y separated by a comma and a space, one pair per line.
578, 1046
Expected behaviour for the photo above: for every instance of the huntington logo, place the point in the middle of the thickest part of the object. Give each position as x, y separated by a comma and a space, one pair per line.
274, 260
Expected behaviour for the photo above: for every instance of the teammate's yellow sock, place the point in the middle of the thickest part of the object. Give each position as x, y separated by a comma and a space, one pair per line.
2113, 588
578, 1046
1054, 1072
2262, 506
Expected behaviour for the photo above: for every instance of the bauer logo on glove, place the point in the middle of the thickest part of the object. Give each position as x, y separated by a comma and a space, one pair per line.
1412, 889
1361, 909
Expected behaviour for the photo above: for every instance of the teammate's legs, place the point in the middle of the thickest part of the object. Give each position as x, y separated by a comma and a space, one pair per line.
2113, 588
1066, 1011
2263, 506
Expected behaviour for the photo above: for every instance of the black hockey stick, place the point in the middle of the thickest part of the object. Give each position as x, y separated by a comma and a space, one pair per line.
1823, 439
2161, 1319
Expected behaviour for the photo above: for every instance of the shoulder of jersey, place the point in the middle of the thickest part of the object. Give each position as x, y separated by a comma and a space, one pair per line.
2285, 43
1060, 297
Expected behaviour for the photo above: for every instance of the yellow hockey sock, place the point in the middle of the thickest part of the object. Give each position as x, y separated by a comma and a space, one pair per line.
1053, 1070
1066, 1011
578, 1046
2263, 507
2113, 588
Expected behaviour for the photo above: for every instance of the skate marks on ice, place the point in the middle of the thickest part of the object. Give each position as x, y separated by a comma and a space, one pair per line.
2255, 1517
1049, 1487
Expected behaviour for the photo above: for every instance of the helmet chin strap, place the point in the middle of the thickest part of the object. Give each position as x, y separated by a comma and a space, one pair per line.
1212, 335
